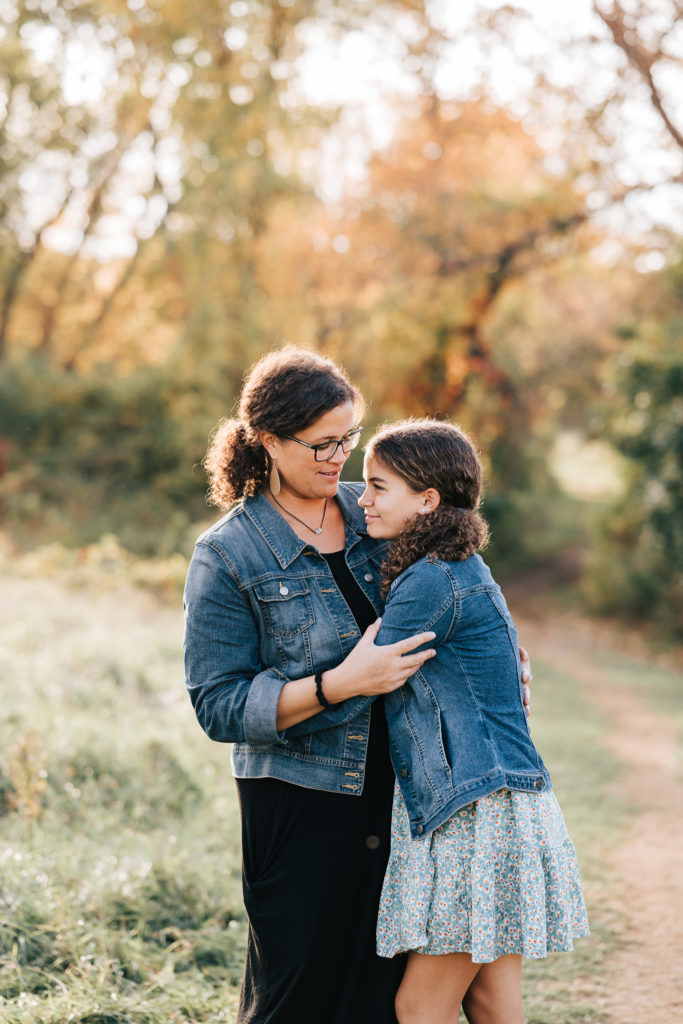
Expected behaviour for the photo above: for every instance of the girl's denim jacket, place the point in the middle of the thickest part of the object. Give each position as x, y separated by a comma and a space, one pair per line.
457, 728
262, 607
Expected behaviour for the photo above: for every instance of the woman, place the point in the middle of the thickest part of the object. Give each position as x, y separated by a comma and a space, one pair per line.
277, 597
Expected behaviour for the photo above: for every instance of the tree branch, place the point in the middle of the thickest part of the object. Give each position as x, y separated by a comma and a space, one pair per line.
94, 208
640, 58
20, 267
502, 258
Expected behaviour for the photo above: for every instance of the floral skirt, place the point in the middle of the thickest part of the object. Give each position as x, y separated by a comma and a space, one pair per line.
499, 877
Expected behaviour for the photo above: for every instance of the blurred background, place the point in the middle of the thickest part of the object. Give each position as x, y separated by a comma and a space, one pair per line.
475, 207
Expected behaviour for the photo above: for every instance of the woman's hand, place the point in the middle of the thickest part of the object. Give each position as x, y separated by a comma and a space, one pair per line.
370, 670
526, 678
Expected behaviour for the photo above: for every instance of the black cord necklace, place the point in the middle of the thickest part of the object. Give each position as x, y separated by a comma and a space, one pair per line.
313, 529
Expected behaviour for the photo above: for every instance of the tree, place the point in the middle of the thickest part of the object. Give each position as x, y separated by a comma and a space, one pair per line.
646, 34
144, 149
599, 89
430, 283
154, 172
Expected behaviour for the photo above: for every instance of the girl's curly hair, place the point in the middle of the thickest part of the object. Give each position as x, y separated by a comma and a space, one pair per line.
431, 453
284, 392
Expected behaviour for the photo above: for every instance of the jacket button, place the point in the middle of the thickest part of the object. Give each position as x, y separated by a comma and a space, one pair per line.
539, 783
368, 577
404, 773
420, 829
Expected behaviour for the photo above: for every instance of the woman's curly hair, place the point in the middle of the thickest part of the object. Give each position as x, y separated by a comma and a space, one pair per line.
284, 392
431, 453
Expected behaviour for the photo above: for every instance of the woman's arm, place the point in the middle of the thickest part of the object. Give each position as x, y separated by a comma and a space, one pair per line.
234, 698
368, 671
237, 699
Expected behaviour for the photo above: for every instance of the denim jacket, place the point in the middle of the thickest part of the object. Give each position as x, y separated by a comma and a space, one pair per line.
262, 607
457, 728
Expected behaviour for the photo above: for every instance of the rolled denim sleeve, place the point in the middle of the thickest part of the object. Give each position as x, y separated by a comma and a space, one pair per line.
340, 714
234, 696
420, 599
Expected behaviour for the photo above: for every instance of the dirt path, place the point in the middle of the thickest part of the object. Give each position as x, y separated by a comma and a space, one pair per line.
643, 982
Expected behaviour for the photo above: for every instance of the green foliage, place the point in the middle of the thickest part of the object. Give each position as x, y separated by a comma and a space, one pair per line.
529, 518
86, 454
637, 567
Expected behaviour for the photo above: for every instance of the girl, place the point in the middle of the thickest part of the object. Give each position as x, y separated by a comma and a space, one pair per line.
482, 871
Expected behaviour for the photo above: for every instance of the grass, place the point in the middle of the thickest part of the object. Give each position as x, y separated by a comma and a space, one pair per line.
120, 893
569, 730
658, 686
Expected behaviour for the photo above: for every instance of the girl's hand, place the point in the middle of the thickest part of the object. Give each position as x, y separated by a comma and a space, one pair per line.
370, 670
526, 679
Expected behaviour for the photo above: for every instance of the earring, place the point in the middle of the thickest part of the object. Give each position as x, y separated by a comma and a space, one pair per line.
274, 482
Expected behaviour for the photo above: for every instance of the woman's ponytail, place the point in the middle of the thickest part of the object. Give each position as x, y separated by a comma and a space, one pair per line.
235, 462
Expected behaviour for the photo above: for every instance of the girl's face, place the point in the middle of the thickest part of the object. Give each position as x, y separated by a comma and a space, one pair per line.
388, 501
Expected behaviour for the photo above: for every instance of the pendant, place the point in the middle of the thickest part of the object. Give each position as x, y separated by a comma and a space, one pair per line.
319, 530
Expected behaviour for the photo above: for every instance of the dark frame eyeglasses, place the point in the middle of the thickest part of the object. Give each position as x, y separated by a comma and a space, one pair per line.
328, 449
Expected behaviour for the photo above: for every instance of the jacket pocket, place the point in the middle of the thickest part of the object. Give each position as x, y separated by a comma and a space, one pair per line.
286, 606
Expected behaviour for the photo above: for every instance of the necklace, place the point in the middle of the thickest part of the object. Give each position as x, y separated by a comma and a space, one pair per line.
313, 529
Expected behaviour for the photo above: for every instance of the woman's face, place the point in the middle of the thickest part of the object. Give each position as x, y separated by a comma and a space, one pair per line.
300, 474
388, 502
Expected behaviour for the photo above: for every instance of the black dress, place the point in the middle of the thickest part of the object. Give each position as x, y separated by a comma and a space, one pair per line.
313, 865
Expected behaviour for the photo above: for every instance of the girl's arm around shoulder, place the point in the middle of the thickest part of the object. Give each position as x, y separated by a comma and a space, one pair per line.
421, 598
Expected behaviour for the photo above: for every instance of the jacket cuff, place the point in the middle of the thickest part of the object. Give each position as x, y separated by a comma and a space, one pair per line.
260, 710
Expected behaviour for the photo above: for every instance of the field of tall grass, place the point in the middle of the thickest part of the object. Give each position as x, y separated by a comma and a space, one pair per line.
120, 895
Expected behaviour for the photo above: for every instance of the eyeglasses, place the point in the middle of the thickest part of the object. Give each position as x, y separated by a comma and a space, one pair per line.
328, 449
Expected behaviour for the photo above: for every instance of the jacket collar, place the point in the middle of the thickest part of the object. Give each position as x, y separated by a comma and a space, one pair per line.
280, 537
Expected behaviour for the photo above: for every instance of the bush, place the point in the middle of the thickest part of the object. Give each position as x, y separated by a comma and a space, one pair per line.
636, 568
81, 456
